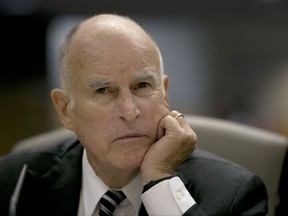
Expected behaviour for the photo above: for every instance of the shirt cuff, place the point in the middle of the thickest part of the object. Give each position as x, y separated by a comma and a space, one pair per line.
168, 197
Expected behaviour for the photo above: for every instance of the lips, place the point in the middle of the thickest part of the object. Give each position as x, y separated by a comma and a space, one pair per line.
129, 136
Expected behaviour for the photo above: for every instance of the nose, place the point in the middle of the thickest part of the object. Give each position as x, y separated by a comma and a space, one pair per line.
127, 107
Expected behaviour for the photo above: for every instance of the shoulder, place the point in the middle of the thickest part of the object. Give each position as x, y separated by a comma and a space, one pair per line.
51, 169
202, 164
39, 159
220, 186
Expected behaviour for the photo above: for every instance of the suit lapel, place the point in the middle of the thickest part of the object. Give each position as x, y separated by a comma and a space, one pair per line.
64, 181
54, 189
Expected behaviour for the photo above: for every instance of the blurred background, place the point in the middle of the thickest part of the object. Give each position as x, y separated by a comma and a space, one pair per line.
226, 59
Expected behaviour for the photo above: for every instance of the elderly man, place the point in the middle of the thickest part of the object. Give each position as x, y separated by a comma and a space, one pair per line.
114, 97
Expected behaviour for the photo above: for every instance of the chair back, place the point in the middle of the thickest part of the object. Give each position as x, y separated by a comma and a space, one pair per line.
258, 150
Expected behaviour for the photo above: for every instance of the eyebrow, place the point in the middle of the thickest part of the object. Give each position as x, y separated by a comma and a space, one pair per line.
146, 75
98, 82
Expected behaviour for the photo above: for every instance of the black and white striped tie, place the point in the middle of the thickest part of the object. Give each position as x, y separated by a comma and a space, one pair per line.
109, 201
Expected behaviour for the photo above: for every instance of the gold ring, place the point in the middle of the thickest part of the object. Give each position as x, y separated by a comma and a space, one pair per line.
179, 115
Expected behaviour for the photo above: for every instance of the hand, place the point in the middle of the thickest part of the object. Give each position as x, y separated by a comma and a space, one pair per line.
176, 140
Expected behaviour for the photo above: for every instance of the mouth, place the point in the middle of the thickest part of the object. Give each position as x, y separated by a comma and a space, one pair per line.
129, 137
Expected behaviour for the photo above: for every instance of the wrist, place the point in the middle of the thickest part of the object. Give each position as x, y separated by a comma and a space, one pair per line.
153, 176
152, 183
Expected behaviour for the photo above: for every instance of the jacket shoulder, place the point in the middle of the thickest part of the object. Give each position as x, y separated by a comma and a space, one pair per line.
50, 169
221, 187
39, 157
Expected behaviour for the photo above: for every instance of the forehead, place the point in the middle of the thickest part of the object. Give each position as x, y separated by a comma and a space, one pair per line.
107, 48
120, 61
110, 44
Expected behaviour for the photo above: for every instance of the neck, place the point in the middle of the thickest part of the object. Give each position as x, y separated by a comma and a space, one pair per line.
117, 180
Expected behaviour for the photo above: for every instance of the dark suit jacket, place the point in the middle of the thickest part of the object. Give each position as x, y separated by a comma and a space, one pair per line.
52, 185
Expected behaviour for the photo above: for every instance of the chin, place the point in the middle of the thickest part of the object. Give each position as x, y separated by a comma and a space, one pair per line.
132, 161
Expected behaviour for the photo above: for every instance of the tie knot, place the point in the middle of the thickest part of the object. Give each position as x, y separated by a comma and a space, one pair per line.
109, 201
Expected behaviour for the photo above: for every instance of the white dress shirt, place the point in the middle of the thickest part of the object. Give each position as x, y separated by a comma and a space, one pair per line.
171, 194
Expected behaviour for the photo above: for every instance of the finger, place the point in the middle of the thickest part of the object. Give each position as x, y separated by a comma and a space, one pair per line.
179, 117
175, 114
164, 124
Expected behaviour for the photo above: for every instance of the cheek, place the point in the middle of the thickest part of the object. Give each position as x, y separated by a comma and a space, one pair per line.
151, 113
161, 100
157, 108
92, 124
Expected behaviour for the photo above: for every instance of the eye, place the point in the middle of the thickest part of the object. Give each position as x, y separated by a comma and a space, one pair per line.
143, 85
101, 91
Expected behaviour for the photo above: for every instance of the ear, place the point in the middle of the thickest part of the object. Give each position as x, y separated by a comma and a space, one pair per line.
166, 86
62, 104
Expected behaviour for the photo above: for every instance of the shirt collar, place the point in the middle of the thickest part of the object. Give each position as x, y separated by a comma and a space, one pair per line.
91, 182
133, 192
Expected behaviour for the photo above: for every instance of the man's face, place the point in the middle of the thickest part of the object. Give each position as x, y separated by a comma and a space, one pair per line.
119, 101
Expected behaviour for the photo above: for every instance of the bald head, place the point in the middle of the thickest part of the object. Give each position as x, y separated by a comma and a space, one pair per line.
96, 37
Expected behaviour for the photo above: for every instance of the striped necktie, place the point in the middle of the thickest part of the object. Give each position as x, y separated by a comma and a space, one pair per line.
109, 201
